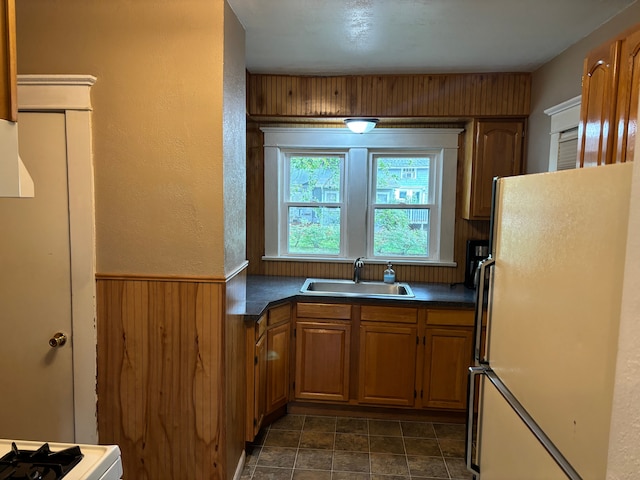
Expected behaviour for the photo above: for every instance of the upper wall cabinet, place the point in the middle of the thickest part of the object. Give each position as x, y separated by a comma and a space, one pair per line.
609, 110
494, 148
8, 85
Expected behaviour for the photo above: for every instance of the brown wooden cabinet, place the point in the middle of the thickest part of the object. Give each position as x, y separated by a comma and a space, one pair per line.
268, 346
323, 345
493, 148
609, 104
278, 348
8, 69
256, 378
399, 351
448, 357
448, 354
387, 356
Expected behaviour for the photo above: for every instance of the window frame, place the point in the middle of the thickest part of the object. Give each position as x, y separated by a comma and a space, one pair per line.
441, 142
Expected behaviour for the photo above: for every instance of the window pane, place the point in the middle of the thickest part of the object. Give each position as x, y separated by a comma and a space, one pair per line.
314, 179
401, 232
314, 230
402, 180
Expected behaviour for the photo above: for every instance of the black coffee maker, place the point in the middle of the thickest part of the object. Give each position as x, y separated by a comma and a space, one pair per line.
477, 250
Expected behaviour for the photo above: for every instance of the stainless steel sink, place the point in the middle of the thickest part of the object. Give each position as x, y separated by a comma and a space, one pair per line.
348, 288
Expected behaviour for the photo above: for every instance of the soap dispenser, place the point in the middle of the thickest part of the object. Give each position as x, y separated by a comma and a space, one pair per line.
389, 274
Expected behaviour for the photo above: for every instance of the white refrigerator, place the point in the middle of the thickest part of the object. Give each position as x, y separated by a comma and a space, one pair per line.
545, 372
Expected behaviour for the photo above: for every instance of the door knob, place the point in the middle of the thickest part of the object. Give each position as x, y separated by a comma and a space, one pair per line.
58, 340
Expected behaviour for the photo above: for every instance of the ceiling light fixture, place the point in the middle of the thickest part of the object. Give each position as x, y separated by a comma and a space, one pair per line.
361, 125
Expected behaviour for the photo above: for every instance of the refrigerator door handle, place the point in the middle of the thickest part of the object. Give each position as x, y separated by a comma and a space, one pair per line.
480, 299
519, 409
471, 398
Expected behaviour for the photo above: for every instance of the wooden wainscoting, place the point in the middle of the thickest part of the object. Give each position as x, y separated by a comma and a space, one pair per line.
161, 381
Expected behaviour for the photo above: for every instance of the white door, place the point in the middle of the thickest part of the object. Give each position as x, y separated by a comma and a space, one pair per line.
36, 402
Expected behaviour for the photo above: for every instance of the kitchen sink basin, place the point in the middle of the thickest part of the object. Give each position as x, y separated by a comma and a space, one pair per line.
348, 288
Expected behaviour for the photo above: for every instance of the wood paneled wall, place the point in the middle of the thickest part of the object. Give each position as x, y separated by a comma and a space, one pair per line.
163, 382
436, 95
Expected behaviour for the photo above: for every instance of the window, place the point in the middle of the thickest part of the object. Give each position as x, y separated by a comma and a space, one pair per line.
312, 203
565, 117
334, 195
400, 224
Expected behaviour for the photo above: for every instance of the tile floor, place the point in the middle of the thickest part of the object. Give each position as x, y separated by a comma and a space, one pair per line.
309, 447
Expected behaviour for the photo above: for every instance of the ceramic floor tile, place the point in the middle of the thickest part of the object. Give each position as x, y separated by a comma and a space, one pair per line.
352, 425
309, 459
352, 442
418, 429
385, 427
319, 424
351, 462
422, 446
451, 447
323, 440
430, 467
350, 476
316, 447
277, 457
458, 469
386, 444
311, 475
375, 476
289, 422
268, 473
282, 438
447, 430
387, 464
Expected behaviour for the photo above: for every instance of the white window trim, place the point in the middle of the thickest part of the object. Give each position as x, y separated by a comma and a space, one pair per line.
564, 116
277, 139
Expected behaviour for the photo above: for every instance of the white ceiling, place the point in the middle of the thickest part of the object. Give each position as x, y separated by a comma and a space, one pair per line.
333, 37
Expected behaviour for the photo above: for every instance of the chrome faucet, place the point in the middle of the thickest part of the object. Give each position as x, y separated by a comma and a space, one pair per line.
357, 266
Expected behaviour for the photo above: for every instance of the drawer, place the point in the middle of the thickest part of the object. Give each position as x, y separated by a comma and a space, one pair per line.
461, 318
370, 313
337, 311
279, 315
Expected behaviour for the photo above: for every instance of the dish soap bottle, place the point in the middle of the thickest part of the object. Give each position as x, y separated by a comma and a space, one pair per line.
389, 274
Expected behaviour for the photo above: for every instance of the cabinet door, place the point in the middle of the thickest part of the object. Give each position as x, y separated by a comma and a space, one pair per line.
322, 361
448, 355
597, 109
628, 94
8, 72
256, 384
387, 364
498, 151
277, 367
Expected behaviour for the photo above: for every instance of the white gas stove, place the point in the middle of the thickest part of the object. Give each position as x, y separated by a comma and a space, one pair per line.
62, 460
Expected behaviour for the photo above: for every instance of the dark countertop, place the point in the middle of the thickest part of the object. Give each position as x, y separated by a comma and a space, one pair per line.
267, 291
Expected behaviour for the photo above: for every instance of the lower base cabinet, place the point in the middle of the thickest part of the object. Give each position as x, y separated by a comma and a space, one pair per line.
256, 379
268, 347
387, 365
277, 360
447, 360
352, 354
322, 361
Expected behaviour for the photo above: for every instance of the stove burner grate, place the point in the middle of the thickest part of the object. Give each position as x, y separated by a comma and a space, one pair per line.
41, 464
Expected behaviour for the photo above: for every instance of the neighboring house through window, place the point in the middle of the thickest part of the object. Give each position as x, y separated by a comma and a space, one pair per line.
334, 195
